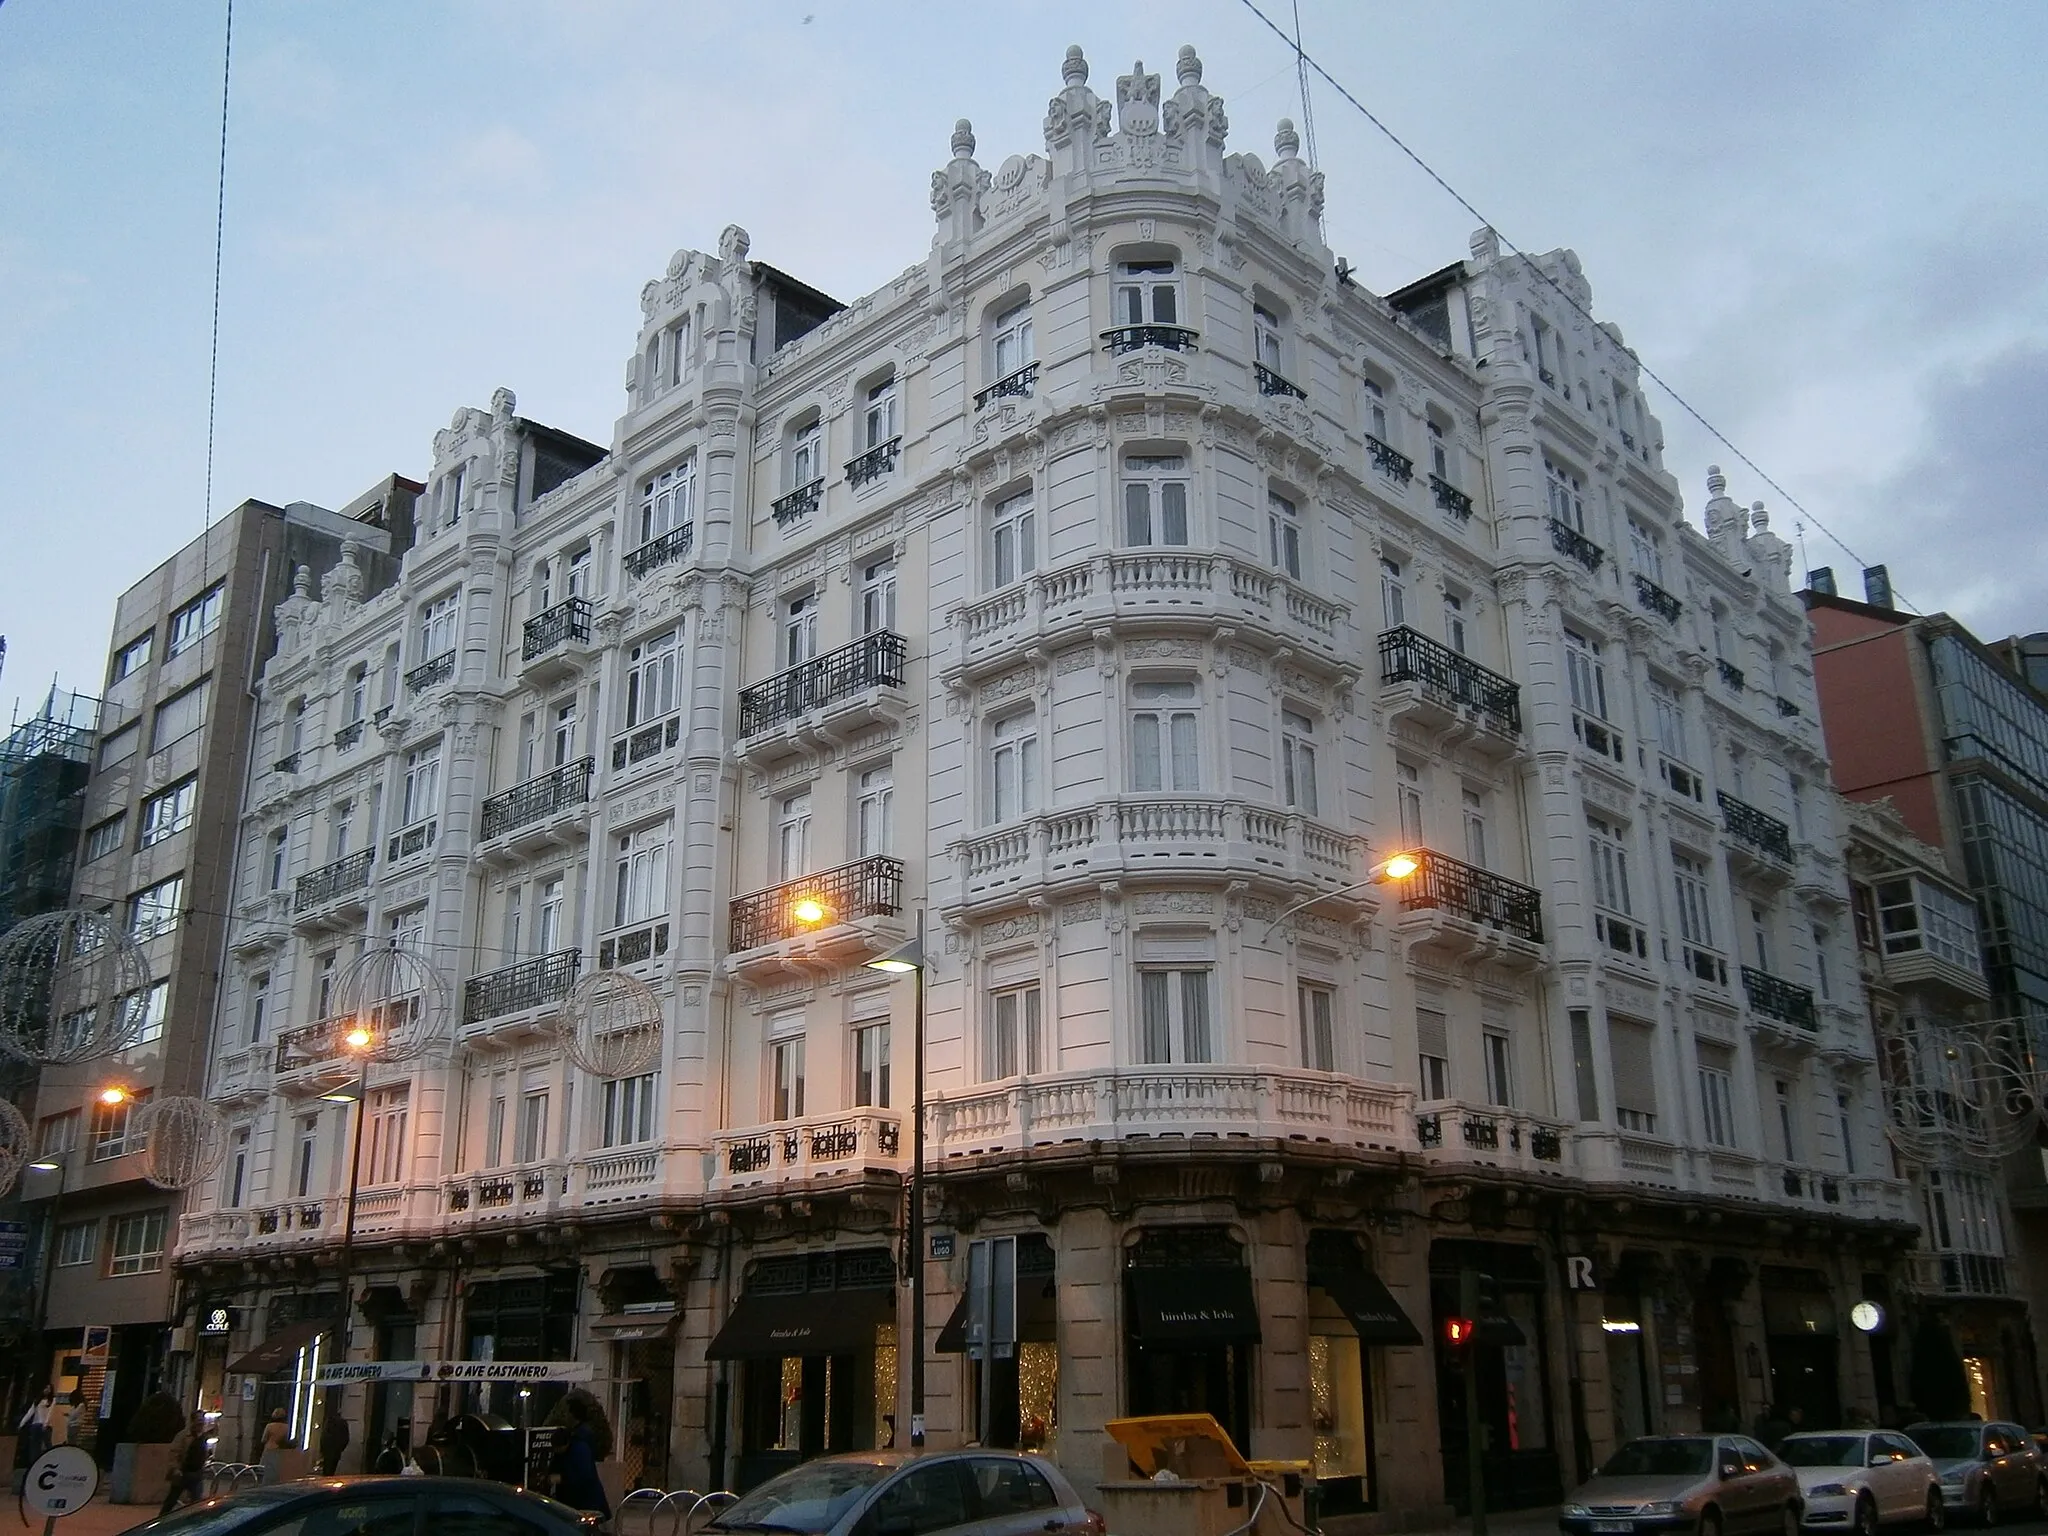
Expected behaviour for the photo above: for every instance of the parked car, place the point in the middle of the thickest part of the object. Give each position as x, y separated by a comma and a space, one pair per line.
376, 1506
1716, 1485
1858, 1480
894, 1493
1986, 1467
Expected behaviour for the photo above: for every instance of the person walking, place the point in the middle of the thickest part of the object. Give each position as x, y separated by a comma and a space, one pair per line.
277, 1434
34, 1428
61, 1412
576, 1481
186, 1468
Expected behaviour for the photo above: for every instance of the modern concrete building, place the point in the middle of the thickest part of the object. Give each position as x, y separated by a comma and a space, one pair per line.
1105, 597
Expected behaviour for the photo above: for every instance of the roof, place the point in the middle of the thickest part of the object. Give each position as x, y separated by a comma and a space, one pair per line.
1423, 289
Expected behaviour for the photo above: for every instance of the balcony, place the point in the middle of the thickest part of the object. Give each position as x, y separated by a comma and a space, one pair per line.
1960, 1274
1447, 693
873, 464
1756, 834
289, 763
1731, 676
822, 914
1395, 466
348, 736
1567, 540
428, 673
1681, 780
795, 1151
410, 842
798, 504
1132, 1103
633, 946
646, 742
1270, 383
312, 1059
1450, 499
554, 642
1654, 599
1011, 386
658, 552
525, 1192
261, 924
1461, 910
1129, 338
536, 983
1773, 997
1704, 964
333, 889
541, 812
619, 1174
1599, 738
1787, 710
833, 695
1492, 1136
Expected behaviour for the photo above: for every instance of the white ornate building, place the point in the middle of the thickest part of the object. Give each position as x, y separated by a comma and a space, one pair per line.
1115, 580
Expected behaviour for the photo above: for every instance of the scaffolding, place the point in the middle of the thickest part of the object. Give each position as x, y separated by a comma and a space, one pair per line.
44, 763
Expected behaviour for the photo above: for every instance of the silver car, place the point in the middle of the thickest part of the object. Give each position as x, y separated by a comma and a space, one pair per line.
1714, 1485
1986, 1468
893, 1493
1860, 1479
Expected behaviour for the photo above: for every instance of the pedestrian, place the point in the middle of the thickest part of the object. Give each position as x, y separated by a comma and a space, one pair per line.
186, 1470
277, 1434
575, 1466
333, 1442
34, 1428
62, 1411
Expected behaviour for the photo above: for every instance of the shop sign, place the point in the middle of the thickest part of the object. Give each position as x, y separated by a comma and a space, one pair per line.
1579, 1274
13, 1244
62, 1482
218, 1321
339, 1373
942, 1245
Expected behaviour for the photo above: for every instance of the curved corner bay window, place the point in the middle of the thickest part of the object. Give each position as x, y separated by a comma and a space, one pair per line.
1165, 739
1155, 499
1173, 1017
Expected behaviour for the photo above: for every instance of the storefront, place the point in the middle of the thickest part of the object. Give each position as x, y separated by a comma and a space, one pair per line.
1802, 1341
1519, 1453
635, 1338
517, 1317
1024, 1381
1191, 1326
1351, 1317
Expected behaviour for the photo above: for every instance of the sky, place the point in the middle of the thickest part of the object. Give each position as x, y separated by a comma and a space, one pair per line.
1824, 224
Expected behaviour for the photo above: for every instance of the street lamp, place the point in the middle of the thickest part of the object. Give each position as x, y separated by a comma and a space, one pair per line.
910, 957
1393, 868
358, 1041
113, 1096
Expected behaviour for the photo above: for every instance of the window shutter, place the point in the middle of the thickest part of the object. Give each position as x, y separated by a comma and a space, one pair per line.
1635, 1079
1432, 1035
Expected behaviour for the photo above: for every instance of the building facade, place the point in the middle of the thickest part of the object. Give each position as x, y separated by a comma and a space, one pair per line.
1103, 598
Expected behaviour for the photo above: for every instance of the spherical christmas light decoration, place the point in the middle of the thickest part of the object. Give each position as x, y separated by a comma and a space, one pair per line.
71, 988
14, 1150
390, 1004
611, 1025
1958, 1091
185, 1140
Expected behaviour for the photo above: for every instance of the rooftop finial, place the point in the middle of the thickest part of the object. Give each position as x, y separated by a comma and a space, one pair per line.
1286, 142
963, 140
1717, 483
1759, 519
1074, 71
1188, 67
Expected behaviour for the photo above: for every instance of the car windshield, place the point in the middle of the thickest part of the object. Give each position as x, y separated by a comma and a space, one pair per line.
1822, 1451
1660, 1458
807, 1499
218, 1517
1946, 1442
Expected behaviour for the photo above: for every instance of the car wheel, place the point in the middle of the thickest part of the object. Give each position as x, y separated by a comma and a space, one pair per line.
1791, 1520
1987, 1504
1710, 1522
1937, 1512
1866, 1517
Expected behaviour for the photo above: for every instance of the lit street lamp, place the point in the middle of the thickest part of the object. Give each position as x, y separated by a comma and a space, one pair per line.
358, 1042
910, 957
113, 1096
1394, 867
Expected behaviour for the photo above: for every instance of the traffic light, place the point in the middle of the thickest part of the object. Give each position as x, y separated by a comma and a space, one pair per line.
1458, 1331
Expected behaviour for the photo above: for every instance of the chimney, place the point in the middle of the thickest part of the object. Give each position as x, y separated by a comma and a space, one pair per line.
1821, 581
1877, 587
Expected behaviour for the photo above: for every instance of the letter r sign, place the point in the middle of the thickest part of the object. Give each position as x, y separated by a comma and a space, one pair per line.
1578, 1272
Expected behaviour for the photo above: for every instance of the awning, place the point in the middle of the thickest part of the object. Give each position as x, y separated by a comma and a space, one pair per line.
281, 1348
1200, 1304
808, 1323
644, 1323
953, 1337
1037, 1315
1361, 1296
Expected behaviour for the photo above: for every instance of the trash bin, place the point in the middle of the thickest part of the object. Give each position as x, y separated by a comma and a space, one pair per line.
491, 1444
1180, 1475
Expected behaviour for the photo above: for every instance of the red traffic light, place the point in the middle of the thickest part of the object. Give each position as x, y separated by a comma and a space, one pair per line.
1459, 1330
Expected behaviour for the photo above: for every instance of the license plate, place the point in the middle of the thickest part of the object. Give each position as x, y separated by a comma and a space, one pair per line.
1613, 1527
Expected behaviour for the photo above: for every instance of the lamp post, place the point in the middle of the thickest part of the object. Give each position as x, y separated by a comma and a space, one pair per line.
1395, 867
911, 957
333, 1427
112, 1096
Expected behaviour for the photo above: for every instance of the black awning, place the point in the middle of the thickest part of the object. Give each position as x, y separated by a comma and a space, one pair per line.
1197, 1304
953, 1337
808, 1323
643, 1323
1361, 1296
280, 1349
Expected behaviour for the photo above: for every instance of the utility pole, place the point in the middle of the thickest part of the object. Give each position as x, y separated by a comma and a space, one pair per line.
1475, 1432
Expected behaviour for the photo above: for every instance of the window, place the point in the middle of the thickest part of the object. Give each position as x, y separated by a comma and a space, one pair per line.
924, 1501
1760, 934
1014, 1033
1433, 1054
1845, 1122
1795, 795
533, 1126
1610, 864
155, 910
799, 629
358, 705
652, 678
308, 1146
1695, 899
793, 837
1376, 410
235, 1181
1013, 540
1148, 292
1717, 1094
1823, 983
807, 455
1668, 716
78, 1242
562, 734
1408, 802
323, 985
1013, 767
1788, 1120
1317, 1008
579, 573
1567, 496
280, 847
640, 886
169, 813
1173, 1017
1644, 550
1717, 624
878, 595
871, 1066
494, 1127
1164, 750
148, 1009
388, 1109
629, 1110
1266, 337
1586, 674
437, 626
120, 746
875, 812
133, 656
547, 916
1913, 916
257, 1008
195, 621
668, 502
1298, 762
451, 496
180, 715
1393, 595
57, 1135
105, 838
1495, 1051
681, 359
1454, 622
1155, 499
878, 420
1283, 534
1475, 828
1013, 348
422, 783
1631, 1054
789, 1079
138, 1244
1439, 456
114, 1131
1585, 1070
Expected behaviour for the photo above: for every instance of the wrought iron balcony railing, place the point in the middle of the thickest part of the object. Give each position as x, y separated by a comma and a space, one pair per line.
1019, 384
1407, 656
1389, 461
872, 661
538, 798
1450, 499
1656, 600
1766, 834
672, 545
1567, 540
348, 735
1786, 708
801, 502
529, 984
873, 464
1129, 338
317, 887
1464, 890
428, 673
565, 621
1777, 998
1628, 441
289, 763
870, 887
1731, 675
1271, 383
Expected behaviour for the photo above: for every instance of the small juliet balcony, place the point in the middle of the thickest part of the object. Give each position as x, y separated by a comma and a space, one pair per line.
1020, 385
1568, 541
428, 673
556, 643
519, 1000
873, 464
313, 1059
1389, 461
349, 736
548, 812
1463, 912
660, 551
1131, 338
798, 504
1780, 1001
1492, 1136
333, 896
1448, 694
833, 915
1271, 383
1450, 499
635, 944
826, 698
845, 1144
1760, 842
1654, 599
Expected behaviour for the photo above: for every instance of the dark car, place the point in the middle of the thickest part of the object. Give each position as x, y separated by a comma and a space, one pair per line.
891, 1493
376, 1506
